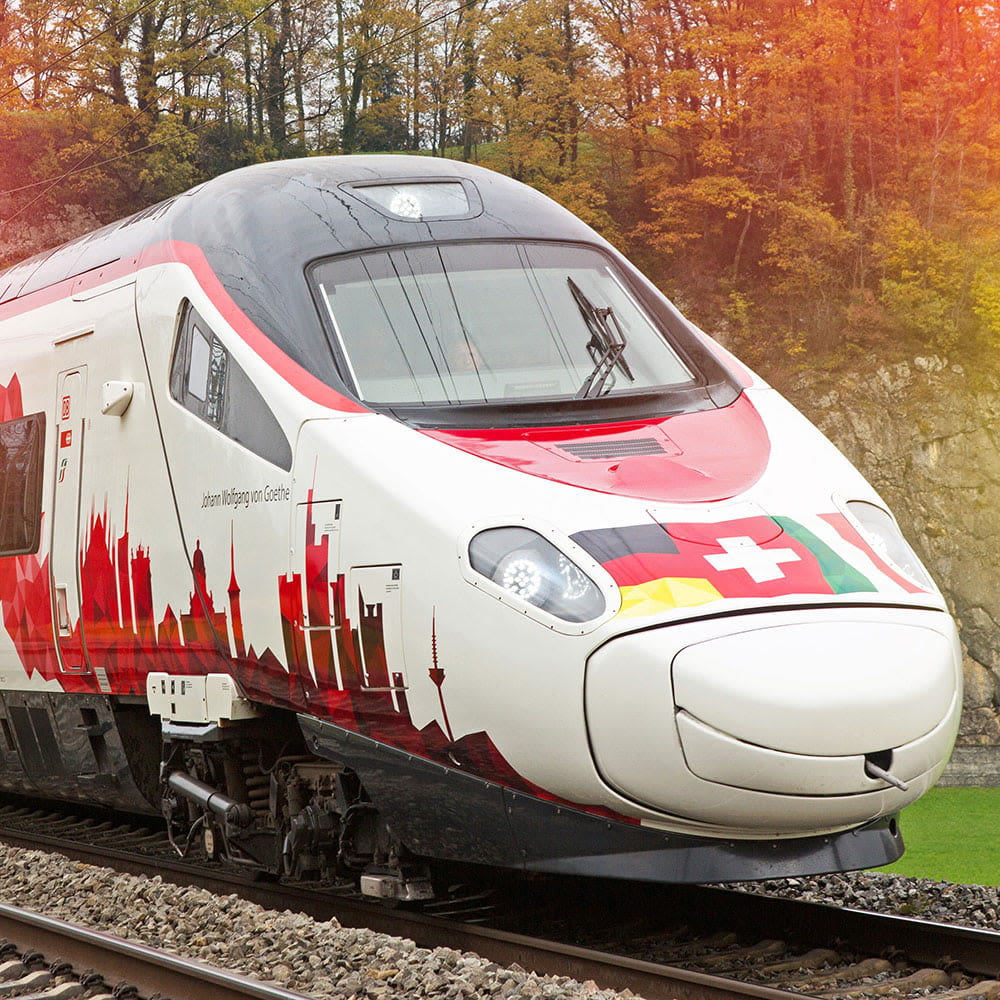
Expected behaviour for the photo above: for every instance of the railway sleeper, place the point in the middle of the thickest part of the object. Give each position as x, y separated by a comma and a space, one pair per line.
33, 980
865, 969
988, 989
62, 991
817, 958
922, 979
740, 958
11, 969
691, 950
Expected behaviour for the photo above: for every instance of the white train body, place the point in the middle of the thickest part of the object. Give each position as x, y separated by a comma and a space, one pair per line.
627, 628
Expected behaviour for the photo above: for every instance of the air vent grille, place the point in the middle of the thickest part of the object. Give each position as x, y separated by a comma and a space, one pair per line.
614, 448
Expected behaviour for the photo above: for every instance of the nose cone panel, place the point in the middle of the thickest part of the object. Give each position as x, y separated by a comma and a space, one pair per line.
828, 689
760, 724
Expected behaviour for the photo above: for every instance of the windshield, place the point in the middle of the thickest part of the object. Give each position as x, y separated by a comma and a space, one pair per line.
492, 322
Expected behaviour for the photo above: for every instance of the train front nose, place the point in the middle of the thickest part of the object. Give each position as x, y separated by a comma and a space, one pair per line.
777, 723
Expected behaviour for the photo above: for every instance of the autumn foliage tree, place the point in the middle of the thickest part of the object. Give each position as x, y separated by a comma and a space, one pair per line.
807, 178
812, 175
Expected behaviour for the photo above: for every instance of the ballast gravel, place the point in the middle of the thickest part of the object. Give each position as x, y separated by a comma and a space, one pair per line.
318, 958
944, 902
323, 959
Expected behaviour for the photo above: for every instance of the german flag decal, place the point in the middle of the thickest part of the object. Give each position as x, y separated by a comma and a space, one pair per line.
660, 567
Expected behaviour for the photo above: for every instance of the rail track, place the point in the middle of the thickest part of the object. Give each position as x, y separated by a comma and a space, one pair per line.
40, 956
681, 943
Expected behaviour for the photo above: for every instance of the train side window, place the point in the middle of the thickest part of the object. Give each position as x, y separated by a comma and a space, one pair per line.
201, 352
22, 448
206, 380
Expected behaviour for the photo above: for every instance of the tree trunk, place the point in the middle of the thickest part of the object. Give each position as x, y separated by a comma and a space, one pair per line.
276, 85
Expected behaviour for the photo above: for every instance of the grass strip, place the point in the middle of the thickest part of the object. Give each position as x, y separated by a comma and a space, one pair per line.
952, 835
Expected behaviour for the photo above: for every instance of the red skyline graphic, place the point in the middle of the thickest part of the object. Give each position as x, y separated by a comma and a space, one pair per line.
345, 677
367, 699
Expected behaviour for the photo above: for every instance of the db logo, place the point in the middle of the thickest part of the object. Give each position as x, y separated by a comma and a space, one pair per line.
65, 408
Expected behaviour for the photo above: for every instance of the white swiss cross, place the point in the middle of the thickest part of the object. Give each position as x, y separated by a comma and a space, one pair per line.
744, 553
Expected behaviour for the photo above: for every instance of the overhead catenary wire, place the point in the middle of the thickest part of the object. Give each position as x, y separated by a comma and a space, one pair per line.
82, 167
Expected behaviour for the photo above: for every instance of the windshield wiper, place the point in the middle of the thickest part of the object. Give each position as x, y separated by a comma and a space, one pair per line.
606, 345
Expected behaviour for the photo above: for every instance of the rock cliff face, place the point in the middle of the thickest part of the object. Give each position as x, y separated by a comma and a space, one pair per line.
930, 445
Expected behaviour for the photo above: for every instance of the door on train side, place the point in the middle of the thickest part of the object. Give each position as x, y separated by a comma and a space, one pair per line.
118, 574
348, 630
229, 460
64, 562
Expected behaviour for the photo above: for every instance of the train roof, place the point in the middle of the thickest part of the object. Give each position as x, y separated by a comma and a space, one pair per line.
295, 211
260, 227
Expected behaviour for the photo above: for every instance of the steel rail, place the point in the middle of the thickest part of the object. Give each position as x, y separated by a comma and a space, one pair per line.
150, 970
182, 979
975, 950
646, 979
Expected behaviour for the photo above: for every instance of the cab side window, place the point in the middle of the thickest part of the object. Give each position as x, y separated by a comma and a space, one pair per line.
206, 380
22, 447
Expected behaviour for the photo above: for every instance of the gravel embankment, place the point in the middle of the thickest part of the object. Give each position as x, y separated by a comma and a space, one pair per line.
321, 959
969, 905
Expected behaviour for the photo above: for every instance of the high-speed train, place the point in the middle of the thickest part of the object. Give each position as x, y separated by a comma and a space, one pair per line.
360, 513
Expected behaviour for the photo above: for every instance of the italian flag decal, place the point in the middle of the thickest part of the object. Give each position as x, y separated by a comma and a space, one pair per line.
660, 567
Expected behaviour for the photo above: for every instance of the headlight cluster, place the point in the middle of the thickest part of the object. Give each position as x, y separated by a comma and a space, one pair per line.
523, 563
885, 538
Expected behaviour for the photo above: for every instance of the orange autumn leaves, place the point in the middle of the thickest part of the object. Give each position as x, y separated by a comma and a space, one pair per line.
805, 177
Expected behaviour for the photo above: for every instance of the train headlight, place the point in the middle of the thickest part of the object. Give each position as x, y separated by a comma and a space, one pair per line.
881, 533
524, 564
